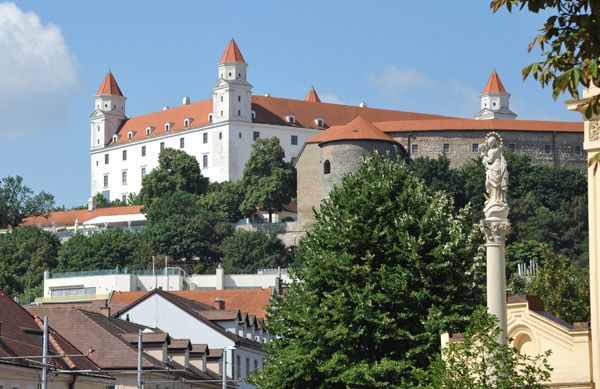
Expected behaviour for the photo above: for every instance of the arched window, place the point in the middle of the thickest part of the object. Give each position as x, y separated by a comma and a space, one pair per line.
129, 135
327, 167
186, 122
210, 117
167, 126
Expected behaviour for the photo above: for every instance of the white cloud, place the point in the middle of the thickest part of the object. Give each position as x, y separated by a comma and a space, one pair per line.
462, 100
331, 98
394, 80
38, 74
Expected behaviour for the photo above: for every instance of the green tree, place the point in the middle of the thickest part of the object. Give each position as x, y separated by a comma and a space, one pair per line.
386, 268
180, 227
268, 182
246, 251
18, 201
176, 171
570, 43
479, 361
25, 253
107, 250
225, 198
563, 286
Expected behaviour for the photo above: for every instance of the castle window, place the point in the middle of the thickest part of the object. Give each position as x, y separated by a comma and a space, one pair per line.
186, 122
493, 104
221, 112
239, 74
210, 117
205, 138
319, 122
475, 147
546, 149
129, 135
124, 177
294, 139
240, 135
512, 147
106, 159
239, 98
446, 147
253, 115
221, 99
167, 126
115, 106
115, 138
124, 199
205, 161
98, 128
124, 155
239, 113
220, 135
143, 172
106, 180
105, 105
255, 135
415, 148
97, 163
327, 167
148, 130
181, 143
162, 145
291, 119
143, 151
229, 74
577, 150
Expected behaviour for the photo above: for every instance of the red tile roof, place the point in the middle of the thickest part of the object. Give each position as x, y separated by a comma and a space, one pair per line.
494, 85
312, 96
252, 301
109, 86
359, 128
20, 329
232, 53
62, 218
472, 124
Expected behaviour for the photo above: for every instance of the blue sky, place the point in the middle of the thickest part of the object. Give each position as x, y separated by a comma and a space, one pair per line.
422, 56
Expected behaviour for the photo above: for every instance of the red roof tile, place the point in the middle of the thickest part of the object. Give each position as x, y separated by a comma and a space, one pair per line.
232, 53
62, 218
359, 128
312, 96
472, 124
494, 85
109, 86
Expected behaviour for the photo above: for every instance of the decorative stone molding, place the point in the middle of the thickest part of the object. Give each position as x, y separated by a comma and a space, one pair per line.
594, 130
495, 231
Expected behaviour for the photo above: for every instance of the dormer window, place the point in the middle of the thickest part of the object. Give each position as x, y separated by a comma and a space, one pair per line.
253, 115
319, 122
148, 130
186, 122
291, 119
167, 126
130, 135
210, 116
115, 138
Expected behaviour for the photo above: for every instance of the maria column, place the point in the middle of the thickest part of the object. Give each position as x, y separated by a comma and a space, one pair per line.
495, 227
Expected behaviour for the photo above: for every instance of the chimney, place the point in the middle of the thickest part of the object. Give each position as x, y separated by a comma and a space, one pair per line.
105, 310
220, 275
219, 304
186, 100
92, 204
363, 105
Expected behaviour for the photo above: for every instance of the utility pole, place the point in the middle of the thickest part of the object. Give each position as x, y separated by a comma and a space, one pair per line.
224, 367
45, 355
139, 373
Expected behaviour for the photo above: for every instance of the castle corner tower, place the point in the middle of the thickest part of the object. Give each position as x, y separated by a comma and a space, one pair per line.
109, 113
494, 100
232, 93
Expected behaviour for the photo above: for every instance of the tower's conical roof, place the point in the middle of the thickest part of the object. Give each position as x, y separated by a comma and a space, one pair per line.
312, 96
359, 128
494, 85
232, 53
109, 86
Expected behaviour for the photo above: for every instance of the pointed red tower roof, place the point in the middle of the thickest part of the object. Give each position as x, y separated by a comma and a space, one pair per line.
109, 86
494, 85
359, 128
232, 53
312, 96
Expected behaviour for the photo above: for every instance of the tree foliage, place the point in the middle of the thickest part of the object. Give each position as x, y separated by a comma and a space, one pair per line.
570, 43
224, 198
268, 182
18, 201
246, 251
180, 227
176, 171
479, 361
386, 268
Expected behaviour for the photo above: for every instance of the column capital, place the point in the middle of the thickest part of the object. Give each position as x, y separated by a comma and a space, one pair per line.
495, 231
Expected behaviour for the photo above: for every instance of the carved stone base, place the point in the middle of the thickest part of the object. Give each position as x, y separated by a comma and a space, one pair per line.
496, 211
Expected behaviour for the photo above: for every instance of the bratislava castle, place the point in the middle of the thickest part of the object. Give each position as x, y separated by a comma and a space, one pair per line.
220, 131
